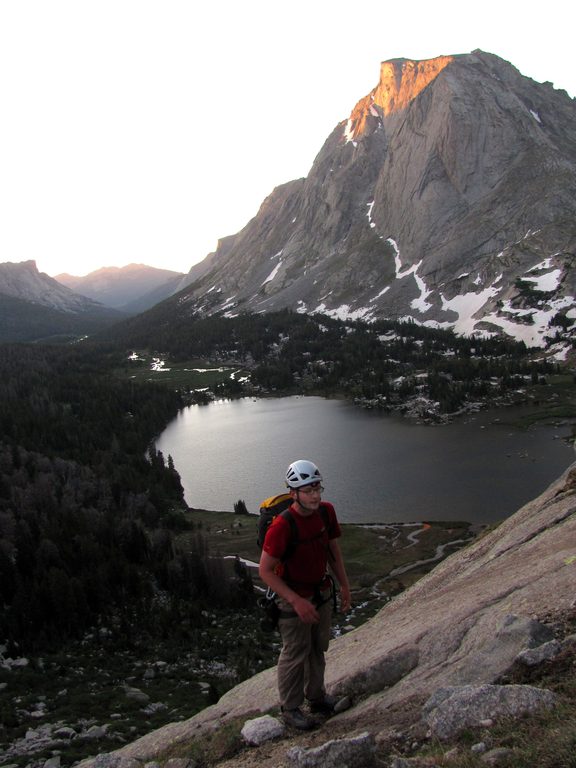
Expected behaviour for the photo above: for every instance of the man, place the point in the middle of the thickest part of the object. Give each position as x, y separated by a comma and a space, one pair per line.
304, 592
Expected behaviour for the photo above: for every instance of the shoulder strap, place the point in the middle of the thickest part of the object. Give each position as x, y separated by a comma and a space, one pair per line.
287, 515
324, 513
326, 519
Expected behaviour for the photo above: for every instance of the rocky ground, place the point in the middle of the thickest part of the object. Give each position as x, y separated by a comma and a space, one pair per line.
103, 693
473, 664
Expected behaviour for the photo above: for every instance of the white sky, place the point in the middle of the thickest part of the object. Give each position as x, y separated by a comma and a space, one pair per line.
144, 130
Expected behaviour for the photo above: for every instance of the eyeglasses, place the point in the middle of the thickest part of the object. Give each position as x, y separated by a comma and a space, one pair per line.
308, 490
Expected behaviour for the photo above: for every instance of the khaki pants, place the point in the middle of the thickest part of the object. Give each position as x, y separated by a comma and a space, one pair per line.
301, 664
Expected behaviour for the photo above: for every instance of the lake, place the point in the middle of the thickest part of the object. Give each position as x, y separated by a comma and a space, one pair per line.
376, 467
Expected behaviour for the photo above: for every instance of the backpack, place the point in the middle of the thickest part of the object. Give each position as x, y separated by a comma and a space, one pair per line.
269, 509
279, 505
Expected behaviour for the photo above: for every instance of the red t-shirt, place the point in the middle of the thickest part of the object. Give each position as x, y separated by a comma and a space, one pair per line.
306, 567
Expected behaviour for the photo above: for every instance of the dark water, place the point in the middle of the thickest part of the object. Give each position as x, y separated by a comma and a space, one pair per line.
376, 468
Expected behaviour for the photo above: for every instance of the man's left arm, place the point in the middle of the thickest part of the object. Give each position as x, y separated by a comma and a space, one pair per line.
337, 566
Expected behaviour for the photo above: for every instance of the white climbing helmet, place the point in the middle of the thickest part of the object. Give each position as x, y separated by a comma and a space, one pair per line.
301, 473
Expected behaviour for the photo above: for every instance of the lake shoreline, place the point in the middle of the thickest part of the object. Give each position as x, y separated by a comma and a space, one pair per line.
377, 468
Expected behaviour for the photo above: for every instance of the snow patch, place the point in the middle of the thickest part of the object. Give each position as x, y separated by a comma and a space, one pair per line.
548, 282
466, 306
421, 303
560, 351
382, 292
158, 364
369, 214
206, 370
546, 264
349, 132
273, 274
437, 324
344, 312
534, 333
536, 116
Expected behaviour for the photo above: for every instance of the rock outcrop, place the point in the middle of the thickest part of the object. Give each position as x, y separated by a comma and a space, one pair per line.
460, 628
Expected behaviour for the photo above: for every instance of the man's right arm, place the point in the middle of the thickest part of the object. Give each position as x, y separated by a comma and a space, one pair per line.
304, 608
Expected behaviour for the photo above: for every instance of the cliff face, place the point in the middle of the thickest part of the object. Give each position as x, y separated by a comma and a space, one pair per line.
447, 196
401, 80
463, 624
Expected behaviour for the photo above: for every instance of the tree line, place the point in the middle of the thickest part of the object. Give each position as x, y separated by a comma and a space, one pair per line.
290, 352
89, 512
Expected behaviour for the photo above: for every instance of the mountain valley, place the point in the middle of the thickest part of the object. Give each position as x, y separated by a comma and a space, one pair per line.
425, 266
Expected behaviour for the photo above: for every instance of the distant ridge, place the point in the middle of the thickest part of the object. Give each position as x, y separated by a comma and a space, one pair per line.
132, 289
34, 306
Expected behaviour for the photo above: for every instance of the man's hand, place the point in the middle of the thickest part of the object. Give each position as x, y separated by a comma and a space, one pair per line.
345, 599
305, 610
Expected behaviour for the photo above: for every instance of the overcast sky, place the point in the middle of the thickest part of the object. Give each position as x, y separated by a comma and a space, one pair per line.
144, 130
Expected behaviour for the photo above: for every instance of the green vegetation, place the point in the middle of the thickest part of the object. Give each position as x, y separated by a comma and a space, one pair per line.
24, 321
108, 580
548, 401
104, 573
183, 376
386, 364
200, 654
370, 552
88, 684
88, 510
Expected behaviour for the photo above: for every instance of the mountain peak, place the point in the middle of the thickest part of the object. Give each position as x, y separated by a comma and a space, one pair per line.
401, 80
449, 198
28, 266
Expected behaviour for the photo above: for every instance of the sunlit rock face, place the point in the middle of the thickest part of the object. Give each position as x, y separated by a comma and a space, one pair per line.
401, 80
447, 196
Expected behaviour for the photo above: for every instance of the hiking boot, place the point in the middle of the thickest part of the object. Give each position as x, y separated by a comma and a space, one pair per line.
324, 706
297, 719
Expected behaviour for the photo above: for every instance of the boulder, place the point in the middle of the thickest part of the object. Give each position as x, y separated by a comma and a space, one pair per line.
450, 710
532, 657
355, 752
261, 729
